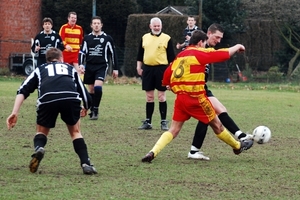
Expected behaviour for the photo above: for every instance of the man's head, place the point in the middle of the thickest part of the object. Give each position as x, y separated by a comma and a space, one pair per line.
198, 38
72, 18
215, 33
47, 24
155, 25
191, 21
54, 54
96, 24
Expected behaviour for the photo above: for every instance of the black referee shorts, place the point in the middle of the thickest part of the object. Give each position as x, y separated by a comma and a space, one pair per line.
69, 111
152, 77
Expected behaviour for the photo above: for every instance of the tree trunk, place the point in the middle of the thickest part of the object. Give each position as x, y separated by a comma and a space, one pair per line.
291, 64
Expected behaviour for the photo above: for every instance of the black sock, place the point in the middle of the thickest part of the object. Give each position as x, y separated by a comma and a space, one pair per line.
163, 110
200, 134
228, 122
39, 140
149, 111
81, 150
97, 96
92, 105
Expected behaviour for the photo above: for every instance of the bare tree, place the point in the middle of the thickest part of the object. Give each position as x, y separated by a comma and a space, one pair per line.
290, 37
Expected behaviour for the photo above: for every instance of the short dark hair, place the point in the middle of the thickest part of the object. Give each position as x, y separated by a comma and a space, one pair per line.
47, 19
96, 17
215, 27
53, 54
72, 13
197, 36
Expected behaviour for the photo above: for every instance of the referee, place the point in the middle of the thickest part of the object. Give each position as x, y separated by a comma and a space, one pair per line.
96, 50
155, 52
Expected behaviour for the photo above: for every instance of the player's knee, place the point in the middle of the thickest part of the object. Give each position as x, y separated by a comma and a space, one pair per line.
162, 97
98, 89
150, 97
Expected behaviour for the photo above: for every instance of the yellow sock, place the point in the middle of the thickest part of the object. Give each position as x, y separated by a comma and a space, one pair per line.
164, 139
226, 137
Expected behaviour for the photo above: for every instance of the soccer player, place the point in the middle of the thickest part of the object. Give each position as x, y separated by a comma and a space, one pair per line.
185, 76
72, 35
187, 32
154, 54
60, 91
215, 34
46, 39
96, 50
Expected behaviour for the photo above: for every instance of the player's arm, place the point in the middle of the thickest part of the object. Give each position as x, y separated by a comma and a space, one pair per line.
170, 51
81, 89
12, 119
140, 58
27, 87
59, 43
114, 58
62, 34
82, 55
167, 76
36, 44
236, 48
179, 46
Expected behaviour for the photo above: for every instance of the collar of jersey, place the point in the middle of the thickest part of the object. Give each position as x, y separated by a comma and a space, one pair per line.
155, 34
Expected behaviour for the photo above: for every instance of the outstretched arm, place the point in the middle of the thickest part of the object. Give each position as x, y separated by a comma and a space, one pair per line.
12, 119
236, 48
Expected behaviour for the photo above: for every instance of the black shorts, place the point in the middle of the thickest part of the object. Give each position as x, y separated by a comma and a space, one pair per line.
208, 92
94, 72
69, 112
152, 77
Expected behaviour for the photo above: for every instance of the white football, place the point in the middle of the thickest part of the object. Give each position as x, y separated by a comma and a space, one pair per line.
261, 134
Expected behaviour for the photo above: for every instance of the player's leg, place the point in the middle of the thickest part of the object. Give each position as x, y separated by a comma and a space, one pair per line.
70, 114
46, 118
226, 120
162, 98
179, 117
148, 85
89, 79
99, 76
163, 141
199, 136
163, 110
224, 135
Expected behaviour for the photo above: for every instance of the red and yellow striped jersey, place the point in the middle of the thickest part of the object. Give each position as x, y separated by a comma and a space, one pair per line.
72, 36
186, 74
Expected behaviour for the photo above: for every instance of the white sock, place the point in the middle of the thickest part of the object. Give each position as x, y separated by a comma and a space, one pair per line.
193, 148
238, 133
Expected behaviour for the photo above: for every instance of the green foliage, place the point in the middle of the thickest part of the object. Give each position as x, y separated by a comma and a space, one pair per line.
116, 146
228, 13
4, 71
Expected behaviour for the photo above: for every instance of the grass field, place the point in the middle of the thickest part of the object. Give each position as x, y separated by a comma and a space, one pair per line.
269, 171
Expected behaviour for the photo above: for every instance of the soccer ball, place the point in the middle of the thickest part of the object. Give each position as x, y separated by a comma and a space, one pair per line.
261, 134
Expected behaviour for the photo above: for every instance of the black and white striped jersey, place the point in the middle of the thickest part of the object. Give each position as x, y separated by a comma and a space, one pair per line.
46, 41
55, 81
98, 49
